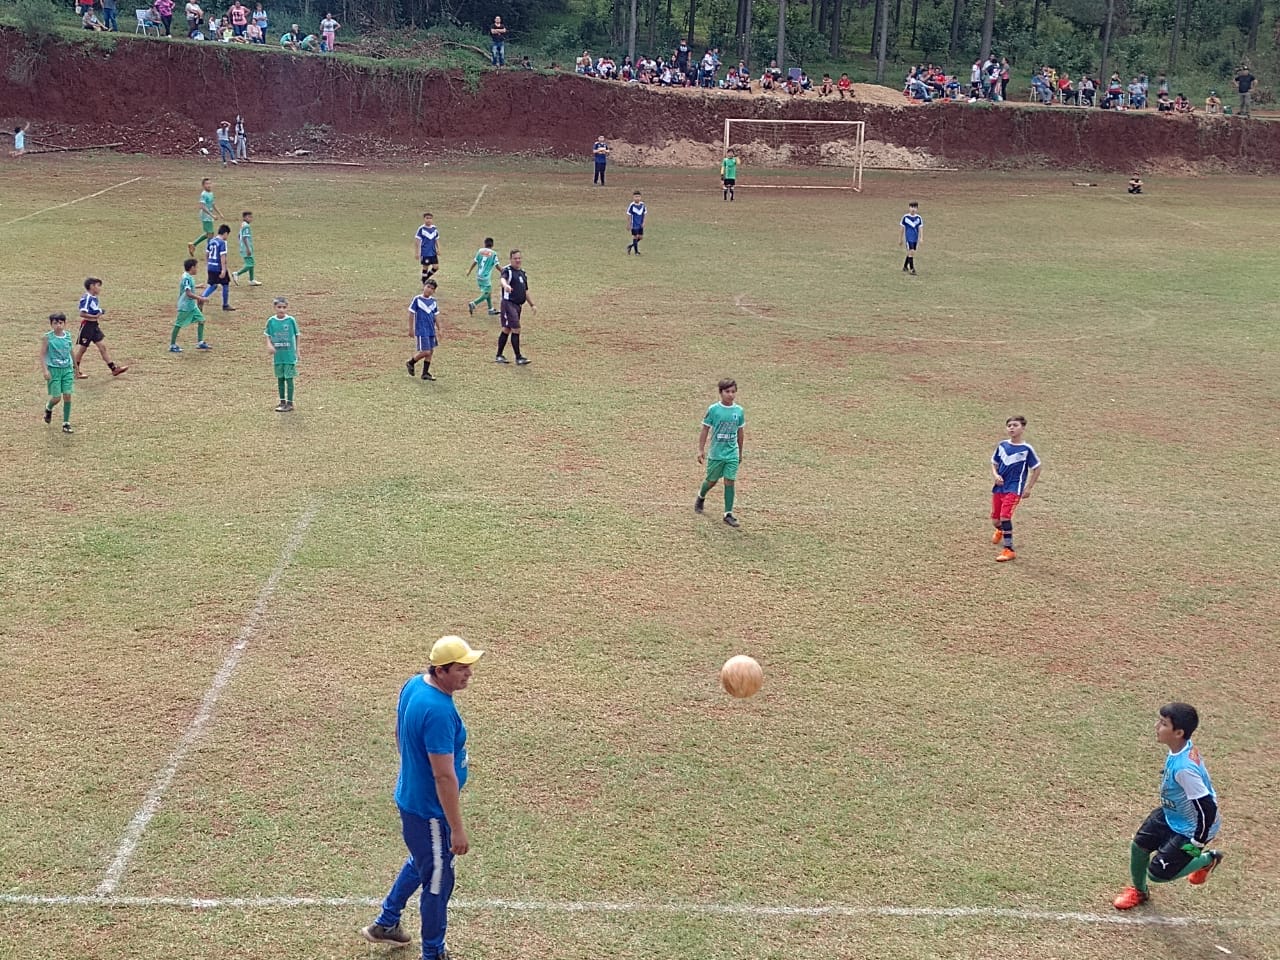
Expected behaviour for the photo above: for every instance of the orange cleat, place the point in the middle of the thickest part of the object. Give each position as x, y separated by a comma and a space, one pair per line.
997, 535
1201, 875
1129, 898
1006, 554
118, 369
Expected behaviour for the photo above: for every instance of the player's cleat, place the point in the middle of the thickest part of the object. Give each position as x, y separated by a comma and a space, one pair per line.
288, 406
731, 520
1129, 898
48, 415
494, 313
996, 536
698, 504
523, 361
81, 376
471, 309
395, 936
118, 369
191, 249
913, 271
499, 359
203, 345
66, 428
228, 307
904, 268
1005, 555
408, 365
1200, 876
255, 283
174, 348
281, 407
427, 376
235, 279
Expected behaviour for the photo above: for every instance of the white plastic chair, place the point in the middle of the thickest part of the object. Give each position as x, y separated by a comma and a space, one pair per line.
145, 23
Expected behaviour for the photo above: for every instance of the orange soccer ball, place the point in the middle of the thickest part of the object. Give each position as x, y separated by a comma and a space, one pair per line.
741, 677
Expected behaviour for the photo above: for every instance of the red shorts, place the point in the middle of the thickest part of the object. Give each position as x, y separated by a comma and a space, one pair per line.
1002, 505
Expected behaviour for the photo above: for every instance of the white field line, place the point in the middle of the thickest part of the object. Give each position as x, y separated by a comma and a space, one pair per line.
59, 206
151, 802
637, 907
476, 202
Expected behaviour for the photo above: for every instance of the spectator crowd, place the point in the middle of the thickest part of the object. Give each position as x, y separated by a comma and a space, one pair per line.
237, 24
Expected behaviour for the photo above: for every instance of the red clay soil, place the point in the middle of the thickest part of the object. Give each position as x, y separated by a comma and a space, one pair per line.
150, 94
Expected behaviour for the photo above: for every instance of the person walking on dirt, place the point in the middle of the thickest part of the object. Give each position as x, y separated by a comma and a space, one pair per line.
498, 43
1244, 83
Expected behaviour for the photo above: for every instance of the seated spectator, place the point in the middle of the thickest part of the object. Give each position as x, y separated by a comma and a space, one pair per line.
1213, 103
1163, 103
1137, 94
1181, 104
1066, 89
951, 88
1115, 93
526, 63
766, 80
935, 80
1135, 184
311, 44
668, 76
195, 34
607, 68
1040, 84
215, 28
775, 72
290, 39
827, 87
582, 65
917, 90
1086, 91
253, 33
844, 86
90, 21
806, 85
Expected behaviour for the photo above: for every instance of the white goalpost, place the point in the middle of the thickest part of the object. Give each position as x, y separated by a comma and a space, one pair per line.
777, 147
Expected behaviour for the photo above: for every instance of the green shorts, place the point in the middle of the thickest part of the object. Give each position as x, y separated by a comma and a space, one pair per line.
61, 380
187, 317
286, 371
248, 262
486, 286
728, 469
206, 227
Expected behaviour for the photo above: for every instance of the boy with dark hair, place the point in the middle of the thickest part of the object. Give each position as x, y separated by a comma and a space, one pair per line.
188, 308
281, 332
635, 214
912, 229
246, 248
1170, 844
91, 331
729, 173
1016, 468
216, 263
427, 244
208, 210
485, 260
55, 360
725, 423
424, 314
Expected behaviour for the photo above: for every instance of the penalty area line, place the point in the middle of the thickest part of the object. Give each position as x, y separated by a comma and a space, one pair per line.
760, 911
204, 714
476, 202
59, 206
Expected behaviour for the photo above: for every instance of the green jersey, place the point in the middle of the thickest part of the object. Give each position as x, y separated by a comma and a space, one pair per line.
246, 240
188, 285
206, 206
725, 422
283, 334
729, 168
486, 260
58, 349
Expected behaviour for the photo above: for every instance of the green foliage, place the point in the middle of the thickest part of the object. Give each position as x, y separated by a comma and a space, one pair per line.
37, 19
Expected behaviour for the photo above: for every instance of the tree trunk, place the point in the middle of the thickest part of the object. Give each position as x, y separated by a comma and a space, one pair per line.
693, 11
631, 34
1103, 77
957, 13
915, 11
782, 34
882, 47
988, 26
1035, 19
814, 14
835, 8
1186, 23
897, 17
875, 27
1173, 40
746, 36
668, 11
1254, 21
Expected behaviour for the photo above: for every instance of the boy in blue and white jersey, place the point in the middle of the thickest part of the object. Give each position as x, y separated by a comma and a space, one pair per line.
1015, 469
635, 214
91, 313
912, 230
216, 265
424, 315
1171, 843
427, 246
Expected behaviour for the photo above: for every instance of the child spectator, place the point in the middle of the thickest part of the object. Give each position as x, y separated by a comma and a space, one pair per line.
1135, 184
1181, 104
526, 63
845, 86
1163, 103
20, 140
827, 87
1213, 103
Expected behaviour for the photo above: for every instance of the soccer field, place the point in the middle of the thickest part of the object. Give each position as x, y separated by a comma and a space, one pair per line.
209, 607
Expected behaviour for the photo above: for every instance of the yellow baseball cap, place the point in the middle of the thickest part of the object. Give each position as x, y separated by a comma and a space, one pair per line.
449, 650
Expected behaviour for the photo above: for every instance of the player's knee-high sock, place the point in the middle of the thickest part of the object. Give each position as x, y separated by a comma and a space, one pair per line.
706, 488
210, 288
1139, 860
729, 490
288, 386
200, 332
515, 345
173, 337
226, 291
502, 342
1006, 527
911, 262
906, 263
66, 410
280, 386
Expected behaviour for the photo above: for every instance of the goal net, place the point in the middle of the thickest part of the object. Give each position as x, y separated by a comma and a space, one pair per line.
796, 153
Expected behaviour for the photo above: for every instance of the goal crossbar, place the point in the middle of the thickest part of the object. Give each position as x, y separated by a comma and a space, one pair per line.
787, 144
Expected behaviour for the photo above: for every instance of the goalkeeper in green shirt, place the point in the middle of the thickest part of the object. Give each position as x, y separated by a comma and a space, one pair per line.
729, 173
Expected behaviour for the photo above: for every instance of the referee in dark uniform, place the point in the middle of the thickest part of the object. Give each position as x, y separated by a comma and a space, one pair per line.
515, 294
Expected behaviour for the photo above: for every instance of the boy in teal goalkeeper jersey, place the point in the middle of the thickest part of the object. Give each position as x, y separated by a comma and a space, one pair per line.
486, 259
725, 423
246, 249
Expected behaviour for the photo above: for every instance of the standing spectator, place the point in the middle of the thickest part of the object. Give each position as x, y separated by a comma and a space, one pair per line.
498, 43
225, 149
600, 153
1244, 83
1004, 78
1115, 92
164, 10
432, 741
1162, 84
515, 294
682, 56
329, 27
20, 140
109, 15
195, 16
239, 16
262, 20
707, 72
242, 145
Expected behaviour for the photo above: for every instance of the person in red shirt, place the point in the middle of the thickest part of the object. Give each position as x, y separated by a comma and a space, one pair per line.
844, 86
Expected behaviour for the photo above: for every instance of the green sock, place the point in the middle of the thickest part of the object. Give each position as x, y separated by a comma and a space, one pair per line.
729, 490
289, 386
49, 405
66, 410
488, 301
200, 239
280, 386
200, 332
251, 274
1196, 864
702, 494
173, 337
1138, 862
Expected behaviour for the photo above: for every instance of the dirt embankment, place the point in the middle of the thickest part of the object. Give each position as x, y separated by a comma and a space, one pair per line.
151, 94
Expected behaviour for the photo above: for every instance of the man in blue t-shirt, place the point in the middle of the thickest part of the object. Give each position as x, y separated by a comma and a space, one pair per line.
216, 265
635, 213
1171, 843
423, 318
427, 246
1016, 468
433, 770
600, 153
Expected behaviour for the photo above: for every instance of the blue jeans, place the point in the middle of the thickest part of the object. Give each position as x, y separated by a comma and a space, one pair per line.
498, 51
227, 152
430, 866
109, 18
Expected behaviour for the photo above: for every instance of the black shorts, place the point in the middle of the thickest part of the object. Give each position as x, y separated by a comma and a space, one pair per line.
911, 244
637, 231
510, 319
730, 181
1156, 837
90, 332
216, 279
431, 261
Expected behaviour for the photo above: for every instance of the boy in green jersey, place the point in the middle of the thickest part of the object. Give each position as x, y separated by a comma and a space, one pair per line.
282, 340
59, 372
188, 308
208, 210
486, 259
725, 423
246, 248
729, 173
